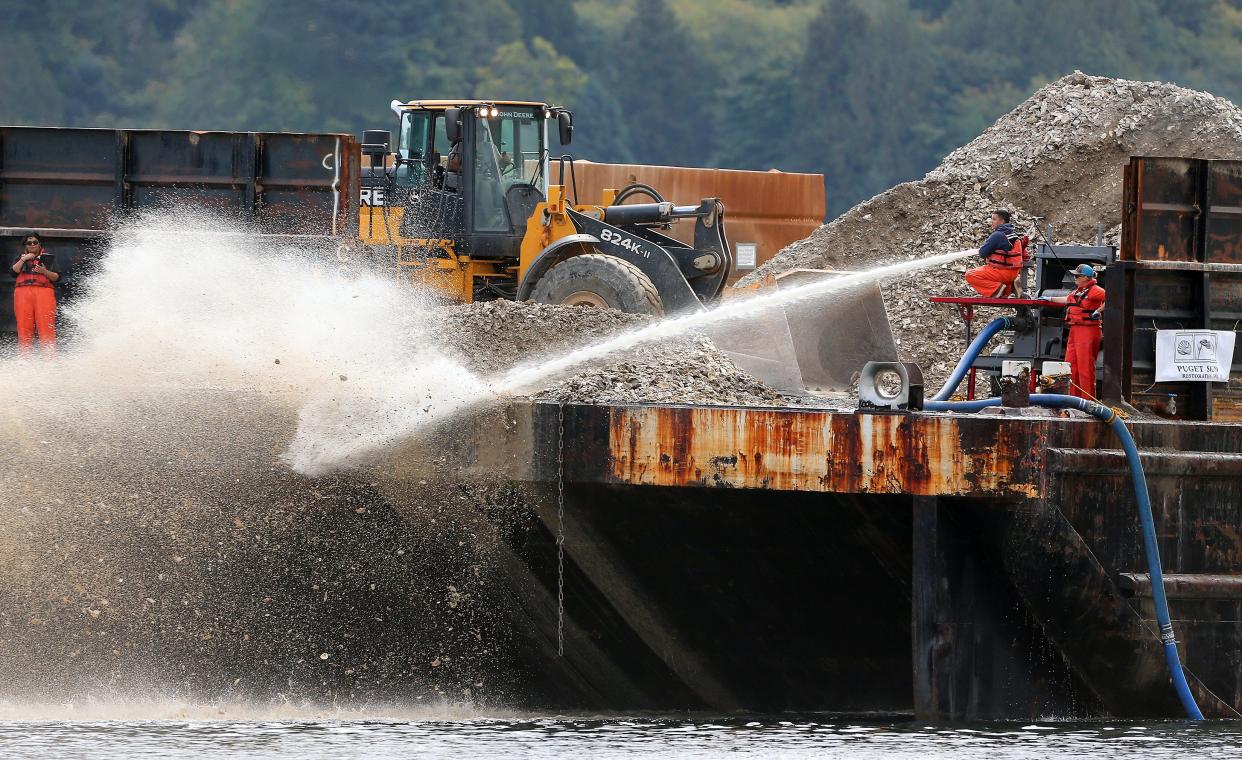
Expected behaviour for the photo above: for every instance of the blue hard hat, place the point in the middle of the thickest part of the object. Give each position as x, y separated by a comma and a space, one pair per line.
1084, 270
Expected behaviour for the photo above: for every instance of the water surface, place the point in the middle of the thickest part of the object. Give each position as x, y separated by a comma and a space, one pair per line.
610, 737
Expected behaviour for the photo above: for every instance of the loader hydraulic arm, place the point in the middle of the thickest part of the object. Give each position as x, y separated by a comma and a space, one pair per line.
703, 265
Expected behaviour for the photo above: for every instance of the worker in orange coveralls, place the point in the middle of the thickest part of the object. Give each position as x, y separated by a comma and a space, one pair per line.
1082, 314
1003, 253
34, 296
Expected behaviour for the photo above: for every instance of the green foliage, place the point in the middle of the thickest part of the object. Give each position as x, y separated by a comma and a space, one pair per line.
868, 92
661, 84
518, 71
853, 100
36, 96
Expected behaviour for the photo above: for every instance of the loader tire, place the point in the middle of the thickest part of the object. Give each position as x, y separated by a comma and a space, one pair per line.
600, 280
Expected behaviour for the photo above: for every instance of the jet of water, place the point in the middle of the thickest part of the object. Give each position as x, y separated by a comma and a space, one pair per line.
530, 377
336, 433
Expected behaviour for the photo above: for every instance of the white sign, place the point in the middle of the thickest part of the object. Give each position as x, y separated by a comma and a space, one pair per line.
1193, 355
746, 255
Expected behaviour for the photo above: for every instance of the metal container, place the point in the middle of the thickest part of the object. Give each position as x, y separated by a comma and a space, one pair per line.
1180, 267
766, 211
73, 185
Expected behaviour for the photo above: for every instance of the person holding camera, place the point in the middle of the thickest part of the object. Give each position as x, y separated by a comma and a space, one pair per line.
34, 295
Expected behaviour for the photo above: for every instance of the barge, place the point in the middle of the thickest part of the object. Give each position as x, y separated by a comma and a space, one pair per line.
949, 565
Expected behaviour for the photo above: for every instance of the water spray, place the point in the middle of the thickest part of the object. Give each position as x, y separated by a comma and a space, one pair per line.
331, 436
529, 377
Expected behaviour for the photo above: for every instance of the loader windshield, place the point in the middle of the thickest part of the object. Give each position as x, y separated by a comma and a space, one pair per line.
508, 151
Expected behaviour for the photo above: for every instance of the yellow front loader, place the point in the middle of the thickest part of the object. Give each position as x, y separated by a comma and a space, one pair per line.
466, 201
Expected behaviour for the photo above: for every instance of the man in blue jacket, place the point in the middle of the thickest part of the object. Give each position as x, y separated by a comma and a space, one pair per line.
1003, 253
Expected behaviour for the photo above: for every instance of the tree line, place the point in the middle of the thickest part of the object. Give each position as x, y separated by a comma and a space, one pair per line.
867, 92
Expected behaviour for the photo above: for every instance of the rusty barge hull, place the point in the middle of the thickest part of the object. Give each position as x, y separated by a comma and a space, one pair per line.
953, 566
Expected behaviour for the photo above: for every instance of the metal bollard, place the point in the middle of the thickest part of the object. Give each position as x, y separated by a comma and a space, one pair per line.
1015, 383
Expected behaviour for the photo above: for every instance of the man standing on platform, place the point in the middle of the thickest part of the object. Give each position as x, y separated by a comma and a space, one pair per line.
1082, 314
1003, 253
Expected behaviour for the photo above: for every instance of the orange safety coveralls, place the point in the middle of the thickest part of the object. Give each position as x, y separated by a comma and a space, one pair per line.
995, 279
1085, 332
34, 306
988, 279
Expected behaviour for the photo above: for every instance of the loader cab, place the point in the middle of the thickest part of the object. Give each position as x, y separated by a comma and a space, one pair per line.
474, 171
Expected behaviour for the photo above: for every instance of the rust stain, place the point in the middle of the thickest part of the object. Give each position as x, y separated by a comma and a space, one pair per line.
825, 451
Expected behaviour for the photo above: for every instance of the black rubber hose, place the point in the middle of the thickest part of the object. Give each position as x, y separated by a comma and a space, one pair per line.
637, 188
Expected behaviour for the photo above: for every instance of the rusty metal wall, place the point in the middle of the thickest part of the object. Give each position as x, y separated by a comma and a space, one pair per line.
1180, 267
1195, 480
1182, 209
934, 455
769, 209
995, 455
986, 551
1021, 527
72, 185
979, 651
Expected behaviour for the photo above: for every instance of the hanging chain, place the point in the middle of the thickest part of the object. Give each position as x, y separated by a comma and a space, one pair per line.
560, 529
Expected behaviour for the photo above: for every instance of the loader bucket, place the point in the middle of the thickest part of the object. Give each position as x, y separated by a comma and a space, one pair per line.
762, 346
818, 345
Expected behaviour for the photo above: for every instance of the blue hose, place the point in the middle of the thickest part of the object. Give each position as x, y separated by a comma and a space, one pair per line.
968, 358
1108, 416
1153, 568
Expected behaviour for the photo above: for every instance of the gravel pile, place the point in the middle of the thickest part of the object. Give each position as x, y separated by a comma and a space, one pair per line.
1059, 155
491, 338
